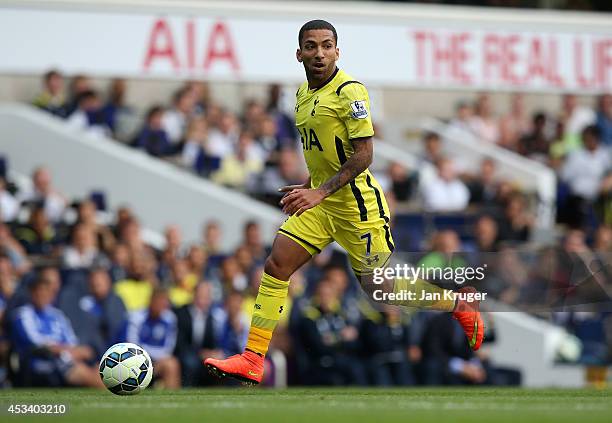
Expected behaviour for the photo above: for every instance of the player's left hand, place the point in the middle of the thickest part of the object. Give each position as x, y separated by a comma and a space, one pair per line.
300, 200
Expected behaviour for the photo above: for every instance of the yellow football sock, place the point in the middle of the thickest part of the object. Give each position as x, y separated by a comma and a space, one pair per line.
269, 307
425, 295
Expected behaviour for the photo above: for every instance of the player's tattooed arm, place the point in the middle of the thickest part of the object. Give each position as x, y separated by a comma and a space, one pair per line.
357, 163
300, 199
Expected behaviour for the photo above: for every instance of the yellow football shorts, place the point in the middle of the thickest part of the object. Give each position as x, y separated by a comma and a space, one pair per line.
368, 244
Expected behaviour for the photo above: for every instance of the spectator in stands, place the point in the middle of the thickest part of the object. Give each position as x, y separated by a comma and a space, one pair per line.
386, 339
52, 98
329, 343
174, 241
447, 356
232, 278
83, 250
120, 261
583, 172
155, 329
536, 144
49, 352
511, 280
51, 275
288, 172
241, 166
9, 205
286, 132
514, 125
432, 147
135, 291
130, 236
235, 328
223, 137
463, 118
269, 141
484, 186
195, 143
115, 108
245, 259
486, 232
87, 215
563, 144
402, 181
445, 248
153, 138
175, 119
88, 115
78, 85
98, 316
196, 337
10, 247
201, 93
483, 123
123, 216
337, 276
38, 237
212, 238
254, 113
105, 306
516, 222
197, 261
44, 193
253, 240
214, 113
445, 192
249, 152
604, 119
575, 117
183, 283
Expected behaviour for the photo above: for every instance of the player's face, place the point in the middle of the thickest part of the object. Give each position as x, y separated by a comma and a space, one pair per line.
318, 53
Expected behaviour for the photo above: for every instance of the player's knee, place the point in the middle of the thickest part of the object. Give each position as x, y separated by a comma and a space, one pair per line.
275, 268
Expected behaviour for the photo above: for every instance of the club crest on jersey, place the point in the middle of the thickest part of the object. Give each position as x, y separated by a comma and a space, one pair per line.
359, 110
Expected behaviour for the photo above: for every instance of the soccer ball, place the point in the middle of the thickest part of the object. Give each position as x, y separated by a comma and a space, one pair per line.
126, 369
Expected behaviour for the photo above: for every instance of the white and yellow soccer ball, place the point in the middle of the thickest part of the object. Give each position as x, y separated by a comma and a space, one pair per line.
126, 369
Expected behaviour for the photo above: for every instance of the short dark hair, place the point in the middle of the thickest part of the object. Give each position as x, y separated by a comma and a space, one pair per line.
316, 24
51, 74
153, 111
430, 135
592, 130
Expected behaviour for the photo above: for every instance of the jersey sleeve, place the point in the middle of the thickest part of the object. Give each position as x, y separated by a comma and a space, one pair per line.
354, 109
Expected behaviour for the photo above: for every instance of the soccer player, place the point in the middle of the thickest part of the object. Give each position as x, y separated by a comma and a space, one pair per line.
340, 202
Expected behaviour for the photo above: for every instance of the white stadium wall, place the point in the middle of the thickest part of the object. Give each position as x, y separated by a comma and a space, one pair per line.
383, 45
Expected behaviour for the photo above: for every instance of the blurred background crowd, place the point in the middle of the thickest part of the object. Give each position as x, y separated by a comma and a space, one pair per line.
76, 277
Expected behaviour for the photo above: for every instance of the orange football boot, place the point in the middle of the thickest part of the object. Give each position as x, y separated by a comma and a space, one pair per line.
468, 315
247, 367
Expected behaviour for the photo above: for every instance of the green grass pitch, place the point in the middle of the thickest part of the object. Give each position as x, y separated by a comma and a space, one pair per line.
319, 405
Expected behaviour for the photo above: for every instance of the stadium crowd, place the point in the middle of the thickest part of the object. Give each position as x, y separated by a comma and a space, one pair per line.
258, 151
72, 283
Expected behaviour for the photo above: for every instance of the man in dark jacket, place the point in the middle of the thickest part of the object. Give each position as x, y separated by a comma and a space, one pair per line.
328, 341
196, 337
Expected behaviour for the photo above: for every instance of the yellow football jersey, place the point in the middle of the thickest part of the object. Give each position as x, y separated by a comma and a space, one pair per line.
327, 118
